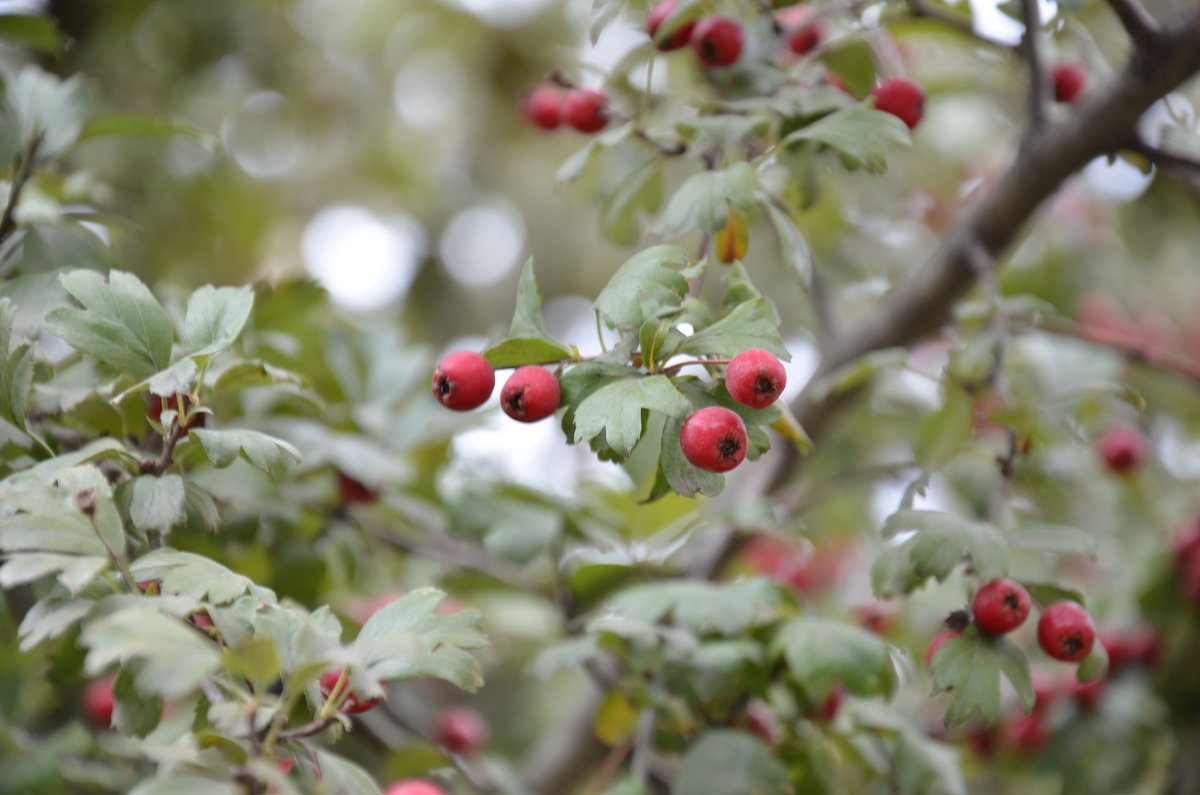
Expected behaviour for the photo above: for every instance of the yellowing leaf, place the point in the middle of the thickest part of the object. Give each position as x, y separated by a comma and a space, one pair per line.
731, 241
616, 720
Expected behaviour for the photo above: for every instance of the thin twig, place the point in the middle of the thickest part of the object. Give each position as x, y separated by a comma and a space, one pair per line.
458, 553
1137, 21
952, 19
1161, 157
309, 729
1031, 51
23, 171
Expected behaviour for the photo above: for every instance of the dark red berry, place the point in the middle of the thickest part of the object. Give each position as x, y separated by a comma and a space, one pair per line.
414, 786
353, 703
713, 438
679, 37
936, 644
755, 378
172, 403
801, 29
1000, 606
828, 709
902, 98
585, 109
460, 730
354, 491
98, 702
1066, 632
717, 40
530, 394
1123, 449
1070, 80
463, 381
542, 107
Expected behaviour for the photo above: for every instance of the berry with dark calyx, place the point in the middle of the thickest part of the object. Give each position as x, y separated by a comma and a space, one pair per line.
1066, 632
902, 98
936, 644
98, 701
1123, 449
718, 40
530, 394
1000, 606
755, 378
678, 38
542, 107
1070, 80
714, 439
354, 491
414, 786
352, 703
172, 403
802, 31
585, 109
463, 381
460, 730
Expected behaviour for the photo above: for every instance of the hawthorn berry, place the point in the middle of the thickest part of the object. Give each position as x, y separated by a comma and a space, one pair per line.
460, 730
414, 786
1000, 606
542, 107
354, 491
936, 644
681, 35
585, 109
1070, 80
713, 438
1123, 449
1066, 632
755, 378
717, 40
352, 703
98, 701
902, 98
530, 394
172, 402
802, 32
463, 381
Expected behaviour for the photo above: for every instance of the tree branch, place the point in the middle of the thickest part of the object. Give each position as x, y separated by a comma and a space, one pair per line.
1031, 50
1141, 27
952, 19
23, 171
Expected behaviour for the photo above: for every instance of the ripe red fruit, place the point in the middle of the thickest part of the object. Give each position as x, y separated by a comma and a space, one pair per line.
755, 378
801, 31
1066, 632
414, 786
1088, 694
585, 109
530, 394
98, 701
352, 703
1029, 734
828, 709
1070, 81
717, 40
936, 644
1123, 449
463, 381
713, 438
902, 98
353, 491
877, 617
1000, 606
460, 730
160, 404
658, 15
542, 107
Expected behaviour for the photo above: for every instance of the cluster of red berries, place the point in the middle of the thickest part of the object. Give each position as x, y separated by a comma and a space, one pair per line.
1069, 80
717, 40
548, 106
1065, 631
464, 380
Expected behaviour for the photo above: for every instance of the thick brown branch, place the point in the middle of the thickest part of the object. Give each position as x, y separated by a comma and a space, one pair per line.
1141, 27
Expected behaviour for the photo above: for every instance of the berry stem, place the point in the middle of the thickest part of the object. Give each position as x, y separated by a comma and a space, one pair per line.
673, 369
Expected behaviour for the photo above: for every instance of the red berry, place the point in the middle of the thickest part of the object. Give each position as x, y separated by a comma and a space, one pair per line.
681, 35
1029, 735
1070, 81
1088, 694
286, 764
530, 394
414, 786
717, 40
1123, 449
1000, 606
762, 721
460, 730
171, 403
463, 381
877, 617
828, 709
802, 32
201, 620
98, 701
585, 109
936, 644
353, 491
755, 378
352, 703
543, 107
1066, 632
902, 98
713, 438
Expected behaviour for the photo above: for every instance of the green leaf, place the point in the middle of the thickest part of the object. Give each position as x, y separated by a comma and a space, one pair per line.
174, 658
520, 352
50, 618
121, 323
940, 542
40, 33
968, 666
926, 767
1046, 594
16, 368
106, 449
1063, 539
75, 572
854, 62
1094, 666
342, 776
134, 713
249, 373
861, 134
197, 577
725, 608
726, 762
175, 783
651, 275
143, 124
567, 655
753, 324
685, 479
520, 531
254, 658
792, 242
703, 200
616, 409
48, 109
408, 640
657, 340
1015, 666
272, 455
215, 317
156, 503
821, 654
